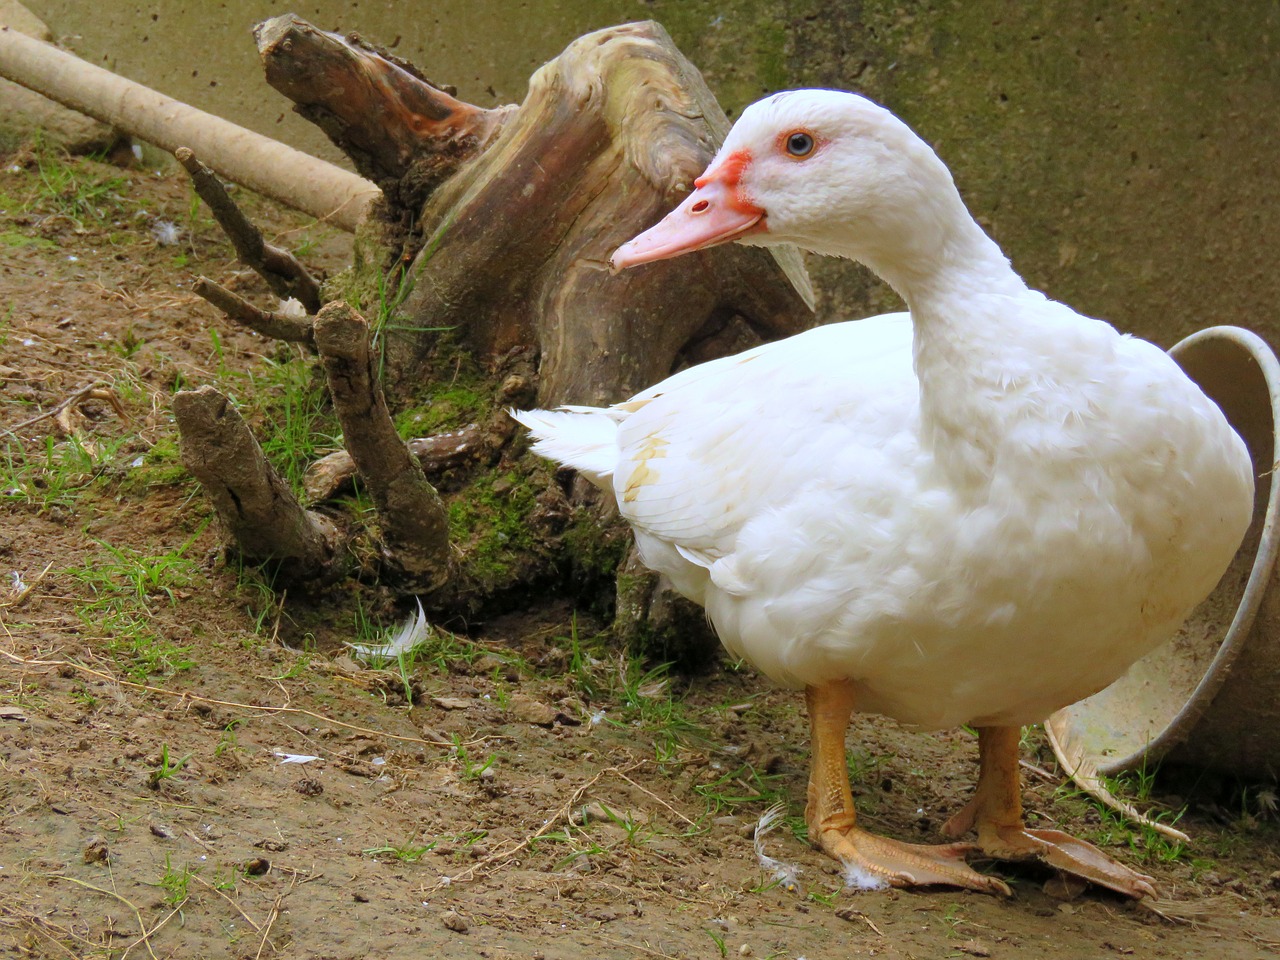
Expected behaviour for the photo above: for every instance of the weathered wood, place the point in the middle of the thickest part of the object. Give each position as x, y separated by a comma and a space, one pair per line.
497, 226
415, 527
277, 326
264, 519
526, 205
456, 449
399, 129
611, 136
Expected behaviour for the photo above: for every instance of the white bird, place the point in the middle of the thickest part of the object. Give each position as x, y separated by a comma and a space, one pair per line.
978, 512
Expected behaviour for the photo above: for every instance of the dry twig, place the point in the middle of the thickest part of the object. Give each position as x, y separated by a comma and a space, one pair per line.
15, 602
95, 391
277, 326
145, 937
271, 919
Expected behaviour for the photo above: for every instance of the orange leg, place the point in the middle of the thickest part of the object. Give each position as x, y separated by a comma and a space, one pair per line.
869, 860
996, 812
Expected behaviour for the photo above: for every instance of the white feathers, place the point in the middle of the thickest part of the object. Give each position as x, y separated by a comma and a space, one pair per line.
166, 234
412, 633
979, 513
292, 308
859, 879
296, 757
585, 438
787, 875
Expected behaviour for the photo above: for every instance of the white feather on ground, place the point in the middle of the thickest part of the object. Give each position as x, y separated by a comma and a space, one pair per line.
786, 874
412, 633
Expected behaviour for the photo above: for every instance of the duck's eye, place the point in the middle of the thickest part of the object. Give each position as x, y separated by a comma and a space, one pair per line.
800, 144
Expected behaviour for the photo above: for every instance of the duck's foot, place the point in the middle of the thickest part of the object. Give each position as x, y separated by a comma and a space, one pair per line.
996, 812
872, 862
1068, 854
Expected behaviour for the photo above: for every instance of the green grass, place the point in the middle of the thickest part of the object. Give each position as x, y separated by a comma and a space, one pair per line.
297, 425
1145, 843
167, 768
50, 478
73, 189
160, 466
124, 586
718, 940
174, 883
738, 786
470, 769
408, 852
12, 238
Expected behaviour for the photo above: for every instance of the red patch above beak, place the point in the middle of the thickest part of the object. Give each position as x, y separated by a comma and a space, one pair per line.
715, 213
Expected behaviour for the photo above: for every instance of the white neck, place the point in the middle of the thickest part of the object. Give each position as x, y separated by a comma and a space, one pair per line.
956, 283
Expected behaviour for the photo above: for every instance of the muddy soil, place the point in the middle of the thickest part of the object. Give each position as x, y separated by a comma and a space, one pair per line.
193, 766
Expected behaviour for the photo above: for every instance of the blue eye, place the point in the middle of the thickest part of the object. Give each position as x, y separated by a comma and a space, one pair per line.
800, 144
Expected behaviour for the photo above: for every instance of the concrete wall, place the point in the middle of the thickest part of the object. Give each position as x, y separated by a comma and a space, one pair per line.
1124, 154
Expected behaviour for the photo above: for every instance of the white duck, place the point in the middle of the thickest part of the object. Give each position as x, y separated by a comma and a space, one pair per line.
979, 512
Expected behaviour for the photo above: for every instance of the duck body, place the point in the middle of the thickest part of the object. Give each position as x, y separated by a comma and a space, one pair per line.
976, 512
979, 579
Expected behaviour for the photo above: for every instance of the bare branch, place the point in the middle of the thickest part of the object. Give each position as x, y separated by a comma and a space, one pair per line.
280, 268
331, 475
278, 326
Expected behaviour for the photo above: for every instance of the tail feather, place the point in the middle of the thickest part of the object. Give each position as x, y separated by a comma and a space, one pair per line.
585, 438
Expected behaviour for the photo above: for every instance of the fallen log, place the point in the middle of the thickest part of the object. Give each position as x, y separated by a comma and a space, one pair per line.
266, 166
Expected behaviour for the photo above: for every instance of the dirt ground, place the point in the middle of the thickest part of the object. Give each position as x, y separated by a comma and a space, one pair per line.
193, 766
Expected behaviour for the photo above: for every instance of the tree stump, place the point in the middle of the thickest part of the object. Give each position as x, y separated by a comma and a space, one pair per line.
496, 226
521, 207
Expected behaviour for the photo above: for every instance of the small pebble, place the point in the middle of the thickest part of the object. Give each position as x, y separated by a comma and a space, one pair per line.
452, 921
96, 851
257, 866
745, 950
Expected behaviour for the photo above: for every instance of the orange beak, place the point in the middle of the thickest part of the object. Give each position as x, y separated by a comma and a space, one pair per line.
716, 212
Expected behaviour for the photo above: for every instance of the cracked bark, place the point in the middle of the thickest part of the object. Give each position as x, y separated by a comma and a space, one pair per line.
516, 210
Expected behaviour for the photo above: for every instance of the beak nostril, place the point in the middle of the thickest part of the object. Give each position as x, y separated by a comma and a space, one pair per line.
700, 206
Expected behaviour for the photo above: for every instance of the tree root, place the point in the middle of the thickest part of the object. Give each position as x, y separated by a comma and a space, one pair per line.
267, 523
415, 527
275, 325
437, 455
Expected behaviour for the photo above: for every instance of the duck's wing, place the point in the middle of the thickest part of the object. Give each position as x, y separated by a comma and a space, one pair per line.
704, 451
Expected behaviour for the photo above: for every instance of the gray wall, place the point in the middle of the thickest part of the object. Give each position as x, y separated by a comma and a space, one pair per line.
1125, 154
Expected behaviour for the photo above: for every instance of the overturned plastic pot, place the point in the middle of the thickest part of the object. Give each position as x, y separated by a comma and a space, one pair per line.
1210, 697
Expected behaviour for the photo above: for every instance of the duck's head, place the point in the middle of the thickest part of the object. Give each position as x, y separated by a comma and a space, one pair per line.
829, 171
